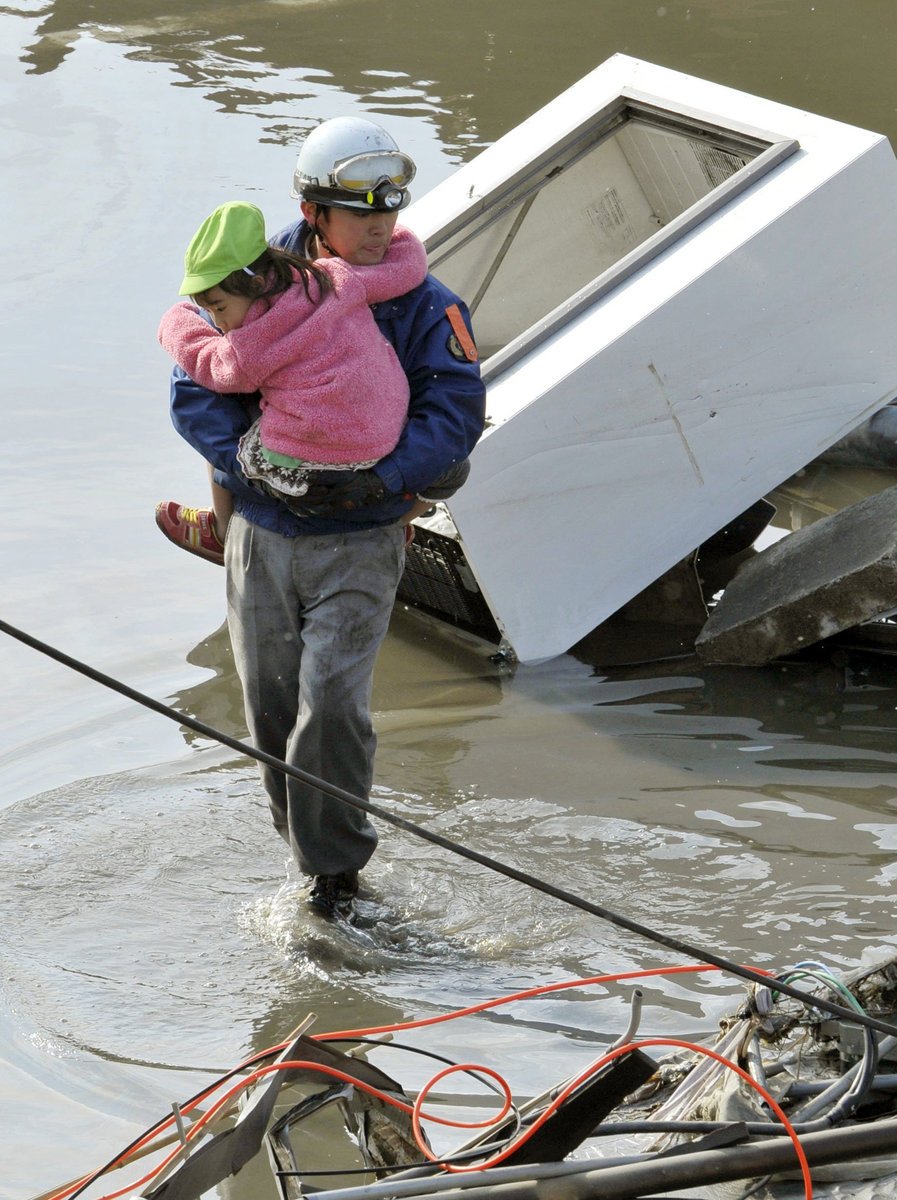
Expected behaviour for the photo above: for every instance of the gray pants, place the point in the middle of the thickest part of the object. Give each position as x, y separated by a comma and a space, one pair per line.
306, 618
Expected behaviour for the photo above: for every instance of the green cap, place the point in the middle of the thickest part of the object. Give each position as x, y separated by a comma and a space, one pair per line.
230, 239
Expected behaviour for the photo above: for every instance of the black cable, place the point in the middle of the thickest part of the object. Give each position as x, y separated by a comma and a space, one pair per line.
532, 881
457, 1159
157, 1126
248, 1065
409, 1049
771, 1129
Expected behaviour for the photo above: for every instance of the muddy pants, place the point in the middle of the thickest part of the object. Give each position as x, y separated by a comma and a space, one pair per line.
306, 618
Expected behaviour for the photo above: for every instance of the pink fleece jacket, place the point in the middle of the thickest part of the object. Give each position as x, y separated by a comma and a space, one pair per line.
333, 390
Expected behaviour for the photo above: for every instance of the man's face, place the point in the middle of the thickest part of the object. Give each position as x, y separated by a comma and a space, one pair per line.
359, 237
226, 310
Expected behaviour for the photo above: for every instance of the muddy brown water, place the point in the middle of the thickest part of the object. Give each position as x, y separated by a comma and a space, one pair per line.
151, 932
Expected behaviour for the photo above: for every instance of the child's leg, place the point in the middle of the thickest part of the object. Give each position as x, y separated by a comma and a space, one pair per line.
417, 509
222, 506
199, 531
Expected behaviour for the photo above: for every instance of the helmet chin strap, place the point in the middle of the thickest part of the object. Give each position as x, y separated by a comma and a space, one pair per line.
322, 241
319, 236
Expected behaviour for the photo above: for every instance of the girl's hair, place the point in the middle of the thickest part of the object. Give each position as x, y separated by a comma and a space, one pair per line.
274, 266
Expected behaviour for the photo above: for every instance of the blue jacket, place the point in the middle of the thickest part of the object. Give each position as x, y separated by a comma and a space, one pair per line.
445, 416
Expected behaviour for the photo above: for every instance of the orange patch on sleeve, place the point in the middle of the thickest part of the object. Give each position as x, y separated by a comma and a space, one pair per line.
462, 333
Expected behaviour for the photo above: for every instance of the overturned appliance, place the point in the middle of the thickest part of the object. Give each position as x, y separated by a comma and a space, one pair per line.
682, 294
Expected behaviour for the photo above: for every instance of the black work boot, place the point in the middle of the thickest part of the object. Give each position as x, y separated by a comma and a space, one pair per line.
334, 895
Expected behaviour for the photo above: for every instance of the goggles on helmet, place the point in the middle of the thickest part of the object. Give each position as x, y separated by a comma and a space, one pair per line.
374, 181
365, 172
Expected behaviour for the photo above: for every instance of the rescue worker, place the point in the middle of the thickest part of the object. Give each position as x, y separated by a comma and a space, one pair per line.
309, 596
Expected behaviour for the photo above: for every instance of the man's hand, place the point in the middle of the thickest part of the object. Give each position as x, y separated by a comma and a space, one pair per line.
363, 490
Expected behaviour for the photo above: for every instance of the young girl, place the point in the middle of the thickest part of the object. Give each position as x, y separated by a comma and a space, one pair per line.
334, 395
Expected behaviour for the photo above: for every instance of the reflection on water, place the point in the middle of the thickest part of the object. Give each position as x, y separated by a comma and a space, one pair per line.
259, 68
474, 70
217, 701
822, 489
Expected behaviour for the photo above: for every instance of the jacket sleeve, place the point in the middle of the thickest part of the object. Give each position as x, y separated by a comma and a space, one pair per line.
402, 270
446, 413
204, 353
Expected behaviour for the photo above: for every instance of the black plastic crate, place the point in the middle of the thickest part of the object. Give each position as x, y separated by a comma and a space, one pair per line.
438, 580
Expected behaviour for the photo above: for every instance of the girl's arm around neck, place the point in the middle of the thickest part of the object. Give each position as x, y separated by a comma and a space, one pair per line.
203, 352
402, 270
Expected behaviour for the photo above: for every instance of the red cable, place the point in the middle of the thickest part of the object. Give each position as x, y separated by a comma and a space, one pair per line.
496, 1159
300, 1064
591, 1070
529, 993
545, 989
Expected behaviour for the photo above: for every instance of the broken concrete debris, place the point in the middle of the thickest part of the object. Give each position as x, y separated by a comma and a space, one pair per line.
835, 574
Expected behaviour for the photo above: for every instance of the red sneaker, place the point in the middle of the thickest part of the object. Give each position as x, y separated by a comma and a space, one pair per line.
190, 528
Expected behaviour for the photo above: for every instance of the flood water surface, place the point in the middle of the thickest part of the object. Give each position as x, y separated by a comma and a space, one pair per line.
153, 931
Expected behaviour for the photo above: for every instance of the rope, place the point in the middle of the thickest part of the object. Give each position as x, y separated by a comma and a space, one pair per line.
540, 885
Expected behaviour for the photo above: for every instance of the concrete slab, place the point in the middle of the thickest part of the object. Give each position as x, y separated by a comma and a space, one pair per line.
816, 582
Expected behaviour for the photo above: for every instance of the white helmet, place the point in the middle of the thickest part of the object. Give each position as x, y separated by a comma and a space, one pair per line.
349, 162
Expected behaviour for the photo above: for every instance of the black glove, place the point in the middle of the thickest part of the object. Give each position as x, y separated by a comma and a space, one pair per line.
363, 490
